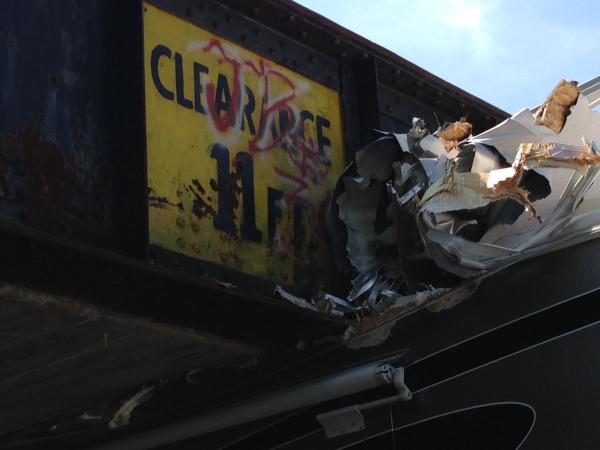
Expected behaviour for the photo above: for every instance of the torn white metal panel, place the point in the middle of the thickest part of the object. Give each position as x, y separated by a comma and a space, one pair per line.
521, 127
470, 205
358, 210
321, 302
591, 89
375, 161
567, 165
300, 302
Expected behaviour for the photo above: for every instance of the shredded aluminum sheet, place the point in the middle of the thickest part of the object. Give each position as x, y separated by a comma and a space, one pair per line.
415, 203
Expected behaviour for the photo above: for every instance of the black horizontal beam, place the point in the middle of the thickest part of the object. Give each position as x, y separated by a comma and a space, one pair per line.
138, 288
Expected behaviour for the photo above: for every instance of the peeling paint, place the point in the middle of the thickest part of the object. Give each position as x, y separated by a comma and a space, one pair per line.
52, 189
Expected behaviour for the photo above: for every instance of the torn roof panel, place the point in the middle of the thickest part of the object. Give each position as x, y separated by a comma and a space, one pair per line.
431, 213
469, 204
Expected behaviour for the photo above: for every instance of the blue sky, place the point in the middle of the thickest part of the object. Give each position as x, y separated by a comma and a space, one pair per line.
510, 53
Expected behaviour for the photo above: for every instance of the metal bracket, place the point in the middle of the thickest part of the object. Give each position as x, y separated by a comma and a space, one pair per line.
342, 421
350, 419
403, 391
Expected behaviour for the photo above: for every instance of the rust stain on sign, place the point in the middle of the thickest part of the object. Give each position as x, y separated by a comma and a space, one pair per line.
248, 150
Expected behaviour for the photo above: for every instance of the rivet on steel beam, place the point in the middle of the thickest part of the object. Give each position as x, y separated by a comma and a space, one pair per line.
229, 18
292, 17
344, 54
255, 10
365, 55
337, 41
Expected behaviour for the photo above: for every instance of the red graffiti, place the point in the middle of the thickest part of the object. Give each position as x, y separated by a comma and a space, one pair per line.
269, 110
305, 156
223, 122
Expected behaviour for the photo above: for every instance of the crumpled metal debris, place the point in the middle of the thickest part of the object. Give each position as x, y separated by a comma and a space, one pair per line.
415, 203
374, 329
321, 302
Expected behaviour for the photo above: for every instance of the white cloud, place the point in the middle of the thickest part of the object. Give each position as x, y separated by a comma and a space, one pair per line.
469, 19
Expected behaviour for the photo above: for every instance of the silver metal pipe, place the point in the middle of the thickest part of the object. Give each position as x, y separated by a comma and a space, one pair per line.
306, 394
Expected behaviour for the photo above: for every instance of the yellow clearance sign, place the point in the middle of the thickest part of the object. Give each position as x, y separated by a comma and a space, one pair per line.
242, 153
